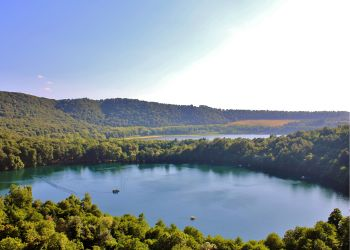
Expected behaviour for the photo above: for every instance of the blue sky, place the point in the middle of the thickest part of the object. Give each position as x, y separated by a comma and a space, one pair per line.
184, 52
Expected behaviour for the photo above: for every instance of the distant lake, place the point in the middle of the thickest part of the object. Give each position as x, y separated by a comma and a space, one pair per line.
208, 136
226, 200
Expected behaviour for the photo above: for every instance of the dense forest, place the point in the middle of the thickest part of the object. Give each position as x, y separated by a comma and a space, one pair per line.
320, 156
121, 112
78, 224
57, 128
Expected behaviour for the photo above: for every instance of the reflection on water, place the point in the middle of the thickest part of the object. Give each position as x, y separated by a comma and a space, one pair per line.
208, 137
231, 201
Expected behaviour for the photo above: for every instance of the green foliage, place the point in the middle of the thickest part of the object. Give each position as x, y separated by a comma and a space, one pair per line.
274, 242
33, 116
36, 132
61, 242
343, 232
322, 236
9, 243
335, 218
19, 197
73, 224
316, 156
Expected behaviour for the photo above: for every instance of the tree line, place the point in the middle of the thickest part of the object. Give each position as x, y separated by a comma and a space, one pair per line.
121, 112
58, 128
78, 224
320, 156
29, 115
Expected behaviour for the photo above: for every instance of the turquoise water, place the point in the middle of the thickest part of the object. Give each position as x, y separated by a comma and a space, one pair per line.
226, 200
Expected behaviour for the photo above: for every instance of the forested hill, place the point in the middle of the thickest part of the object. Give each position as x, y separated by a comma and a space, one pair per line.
131, 112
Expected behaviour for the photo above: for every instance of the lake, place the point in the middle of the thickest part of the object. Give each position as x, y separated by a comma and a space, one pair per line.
226, 200
205, 136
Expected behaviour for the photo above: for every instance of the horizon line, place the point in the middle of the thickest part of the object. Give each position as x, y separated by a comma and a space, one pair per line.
198, 106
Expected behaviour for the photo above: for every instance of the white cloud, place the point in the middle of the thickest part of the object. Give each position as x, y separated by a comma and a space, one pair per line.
46, 82
296, 58
48, 89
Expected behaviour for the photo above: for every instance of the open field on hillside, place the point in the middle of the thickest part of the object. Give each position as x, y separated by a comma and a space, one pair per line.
263, 123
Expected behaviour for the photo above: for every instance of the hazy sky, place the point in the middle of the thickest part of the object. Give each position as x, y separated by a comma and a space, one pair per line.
281, 55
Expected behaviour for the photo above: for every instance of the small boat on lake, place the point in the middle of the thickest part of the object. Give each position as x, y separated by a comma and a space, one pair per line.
193, 218
115, 191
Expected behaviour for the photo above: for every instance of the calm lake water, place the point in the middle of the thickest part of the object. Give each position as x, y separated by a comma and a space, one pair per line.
226, 200
208, 136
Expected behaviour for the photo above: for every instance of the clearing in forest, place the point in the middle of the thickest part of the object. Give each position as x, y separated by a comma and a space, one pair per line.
263, 123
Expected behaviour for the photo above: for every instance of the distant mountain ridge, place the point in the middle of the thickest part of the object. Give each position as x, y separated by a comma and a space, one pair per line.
131, 112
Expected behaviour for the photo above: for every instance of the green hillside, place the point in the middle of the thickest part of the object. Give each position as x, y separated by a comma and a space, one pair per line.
130, 112
31, 115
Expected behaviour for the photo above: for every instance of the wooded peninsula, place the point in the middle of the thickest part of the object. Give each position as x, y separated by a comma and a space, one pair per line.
320, 156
